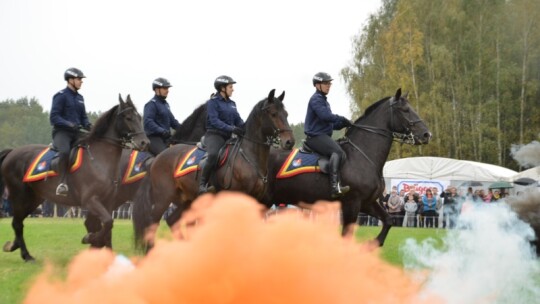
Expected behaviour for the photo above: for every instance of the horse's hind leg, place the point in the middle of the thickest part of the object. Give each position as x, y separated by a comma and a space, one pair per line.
22, 207
176, 214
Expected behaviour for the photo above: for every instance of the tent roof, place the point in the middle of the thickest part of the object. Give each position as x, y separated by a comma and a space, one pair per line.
440, 168
533, 173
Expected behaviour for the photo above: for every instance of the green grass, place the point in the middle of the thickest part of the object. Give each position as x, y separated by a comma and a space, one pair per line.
59, 240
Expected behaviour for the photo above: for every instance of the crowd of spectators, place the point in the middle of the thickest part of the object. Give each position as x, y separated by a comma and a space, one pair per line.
428, 208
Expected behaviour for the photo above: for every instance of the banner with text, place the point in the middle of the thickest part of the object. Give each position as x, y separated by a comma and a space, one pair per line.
419, 186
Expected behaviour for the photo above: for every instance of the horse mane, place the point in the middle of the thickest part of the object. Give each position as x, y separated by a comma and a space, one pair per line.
190, 123
100, 126
372, 108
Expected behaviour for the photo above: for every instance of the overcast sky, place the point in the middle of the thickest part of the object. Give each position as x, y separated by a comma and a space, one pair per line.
122, 45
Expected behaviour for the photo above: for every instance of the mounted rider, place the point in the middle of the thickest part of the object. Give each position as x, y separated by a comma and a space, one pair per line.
222, 121
68, 115
158, 118
319, 125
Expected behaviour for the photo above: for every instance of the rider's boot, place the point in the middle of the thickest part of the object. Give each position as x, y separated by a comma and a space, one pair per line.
63, 164
203, 183
337, 190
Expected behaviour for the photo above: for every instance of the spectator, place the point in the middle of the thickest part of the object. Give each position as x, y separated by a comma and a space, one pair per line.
429, 211
5, 204
395, 206
410, 211
450, 203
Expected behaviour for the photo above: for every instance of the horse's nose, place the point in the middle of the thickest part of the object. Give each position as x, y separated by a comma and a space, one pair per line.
427, 136
289, 144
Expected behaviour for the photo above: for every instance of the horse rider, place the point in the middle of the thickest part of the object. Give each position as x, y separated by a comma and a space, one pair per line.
222, 121
319, 125
68, 115
158, 118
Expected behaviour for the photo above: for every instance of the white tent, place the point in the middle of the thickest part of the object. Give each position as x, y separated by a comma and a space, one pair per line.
533, 173
445, 169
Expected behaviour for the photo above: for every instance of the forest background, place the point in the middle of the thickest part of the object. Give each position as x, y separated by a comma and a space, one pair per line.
472, 70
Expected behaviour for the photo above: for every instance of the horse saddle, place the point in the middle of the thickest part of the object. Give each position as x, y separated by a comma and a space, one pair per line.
196, 157
46, 162
303, 160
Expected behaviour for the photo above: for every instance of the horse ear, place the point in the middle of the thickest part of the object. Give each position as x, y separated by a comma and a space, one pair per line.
398, 94
282, 96
128, 99
271, 95
406, 94
120, 99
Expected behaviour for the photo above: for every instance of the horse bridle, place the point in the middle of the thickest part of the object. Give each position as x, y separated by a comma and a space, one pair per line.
403, 138
126, 139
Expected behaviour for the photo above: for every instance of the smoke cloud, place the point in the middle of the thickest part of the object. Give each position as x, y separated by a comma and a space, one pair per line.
487, 259
527, 155
234, 255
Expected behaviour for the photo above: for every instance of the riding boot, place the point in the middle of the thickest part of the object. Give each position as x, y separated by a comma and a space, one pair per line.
63, 165
205, 177
337, 190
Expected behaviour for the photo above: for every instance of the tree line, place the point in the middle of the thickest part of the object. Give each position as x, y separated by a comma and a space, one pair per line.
471, 67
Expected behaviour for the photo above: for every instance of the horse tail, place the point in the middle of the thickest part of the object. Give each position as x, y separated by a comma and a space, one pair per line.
142, 211
3, 155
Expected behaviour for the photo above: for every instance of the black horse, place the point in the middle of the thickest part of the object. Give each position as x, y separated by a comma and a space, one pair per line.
92, 184
190, 132
245, 168
367, 145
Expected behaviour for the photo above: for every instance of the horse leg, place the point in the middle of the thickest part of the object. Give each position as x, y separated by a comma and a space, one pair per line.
176, 214
97, 239
350, 213
20, 212
93, 225
375, 209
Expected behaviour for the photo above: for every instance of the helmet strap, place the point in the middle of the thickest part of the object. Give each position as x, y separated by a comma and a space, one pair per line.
223, 92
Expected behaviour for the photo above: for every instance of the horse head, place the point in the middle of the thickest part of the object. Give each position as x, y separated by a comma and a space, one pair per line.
276, 119
405, 124
128, 124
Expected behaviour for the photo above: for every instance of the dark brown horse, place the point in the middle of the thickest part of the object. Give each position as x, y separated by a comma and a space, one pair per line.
91, 186
367, 145
190, 132
245, 168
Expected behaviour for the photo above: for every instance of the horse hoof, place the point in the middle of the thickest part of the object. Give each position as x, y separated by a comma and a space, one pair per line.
86, 239
29, 259
7, 246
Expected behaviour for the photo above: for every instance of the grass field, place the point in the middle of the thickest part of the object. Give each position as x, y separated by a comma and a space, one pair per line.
59, 240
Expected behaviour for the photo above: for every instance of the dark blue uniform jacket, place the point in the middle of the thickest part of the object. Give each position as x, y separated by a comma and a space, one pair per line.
68, 110
158, 117
319, 117
222, 115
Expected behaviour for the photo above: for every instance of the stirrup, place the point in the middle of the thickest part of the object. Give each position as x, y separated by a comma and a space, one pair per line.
339, 191
62, 189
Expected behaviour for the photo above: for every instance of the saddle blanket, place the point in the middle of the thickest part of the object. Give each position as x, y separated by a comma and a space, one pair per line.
299, 162
135, 169
40, 167
190, 162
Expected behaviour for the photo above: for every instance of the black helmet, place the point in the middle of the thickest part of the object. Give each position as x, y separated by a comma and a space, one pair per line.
73, 73
223, 80
160, 83
321, 77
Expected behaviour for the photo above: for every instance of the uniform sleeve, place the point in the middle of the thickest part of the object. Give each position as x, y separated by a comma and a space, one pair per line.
84, 117
56, 119
322, 111
238, 121
214, 120
341, 123
150, 126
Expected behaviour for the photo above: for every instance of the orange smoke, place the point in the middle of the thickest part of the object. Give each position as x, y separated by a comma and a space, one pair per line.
233, 255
